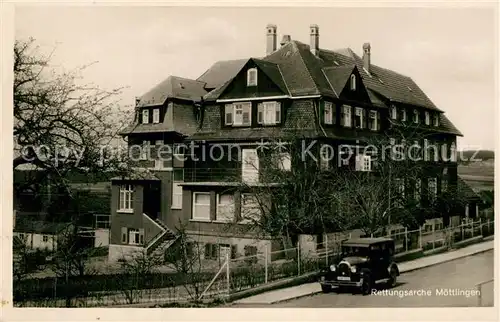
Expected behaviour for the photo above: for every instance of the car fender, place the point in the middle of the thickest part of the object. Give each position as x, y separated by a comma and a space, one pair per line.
393, 266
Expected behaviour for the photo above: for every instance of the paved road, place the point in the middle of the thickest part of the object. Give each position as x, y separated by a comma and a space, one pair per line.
461, 274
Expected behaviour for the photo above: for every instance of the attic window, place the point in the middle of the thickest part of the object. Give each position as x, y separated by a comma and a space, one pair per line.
353, 82
381, 81
409, 88
181, 86
145, 116
394, 112
436, 119
252, 77
336, 63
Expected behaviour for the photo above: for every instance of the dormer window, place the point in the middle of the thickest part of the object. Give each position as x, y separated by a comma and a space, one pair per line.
156, 115
394, 112
403, 115
269, 113
427, 118
373, 120
358, 118
353, 82
436, 119
145, 116
328, 113
252, 77
415, 116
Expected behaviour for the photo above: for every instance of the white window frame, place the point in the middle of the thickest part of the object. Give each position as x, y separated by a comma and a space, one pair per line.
126, 198
251, 71
453, 152
225, 208
353, 82
244, 107
363, 162
427, 118
403, 113
324, 158
269, 113
346, 116
328, 113
250, 171
358, 111
394, 112
200, 218
374, 118
145, 116
145, 150
132, 233
156, 115
416, 116
258, 212
177, 190
45, 238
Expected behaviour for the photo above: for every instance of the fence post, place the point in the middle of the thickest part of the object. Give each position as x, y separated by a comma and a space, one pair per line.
488, 225
228, 274
462, 228
406, 239
298, 259
265, 264
479, 299
420, 237
480, 227
326, 249
433, 236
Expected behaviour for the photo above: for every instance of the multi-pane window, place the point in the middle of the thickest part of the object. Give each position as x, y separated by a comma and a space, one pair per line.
358, 118
156, 115
45, 238
400, 191
453, 150
417, 192
145, 150
269, 113
252, 77
250, 208
225, 207
363, 163
177, 188
145, 116
353, 82
328, 113
415, 116
238, 114
126, 202
403, 115
135, 236
373, 120
346, 115
394, 112
427, 118
201, 205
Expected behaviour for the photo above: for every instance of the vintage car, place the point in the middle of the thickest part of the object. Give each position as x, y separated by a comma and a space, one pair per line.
362, 263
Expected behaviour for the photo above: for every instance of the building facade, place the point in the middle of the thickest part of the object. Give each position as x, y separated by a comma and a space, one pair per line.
197, 140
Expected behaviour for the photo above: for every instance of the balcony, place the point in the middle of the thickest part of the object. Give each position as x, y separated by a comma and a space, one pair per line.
212, 175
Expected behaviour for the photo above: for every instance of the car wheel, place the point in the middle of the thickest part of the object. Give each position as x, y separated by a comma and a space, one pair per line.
366, 287
392, 278
326, 288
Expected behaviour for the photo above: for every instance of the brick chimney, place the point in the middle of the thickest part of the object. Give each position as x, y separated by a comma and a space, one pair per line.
366, 57
314, 42
272, 41
285, 40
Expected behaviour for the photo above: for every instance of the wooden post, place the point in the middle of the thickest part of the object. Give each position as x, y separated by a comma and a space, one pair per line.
406, 239
298, 259
480, 227
228, 274
420, 237
462, 228
265, 264
433, 236
326, 248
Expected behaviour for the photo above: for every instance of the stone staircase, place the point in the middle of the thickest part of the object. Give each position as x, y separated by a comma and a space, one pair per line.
162, 241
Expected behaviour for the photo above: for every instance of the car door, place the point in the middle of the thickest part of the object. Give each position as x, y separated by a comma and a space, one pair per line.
376, 261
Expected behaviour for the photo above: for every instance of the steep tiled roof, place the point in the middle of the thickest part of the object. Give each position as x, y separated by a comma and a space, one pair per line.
221, 72
338, 76
445, 125
388, 83
173, 87
466, 190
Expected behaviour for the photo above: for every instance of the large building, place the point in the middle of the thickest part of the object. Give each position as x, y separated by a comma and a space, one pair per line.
333, 96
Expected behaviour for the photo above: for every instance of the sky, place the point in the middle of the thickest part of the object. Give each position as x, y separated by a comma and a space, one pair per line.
449, 52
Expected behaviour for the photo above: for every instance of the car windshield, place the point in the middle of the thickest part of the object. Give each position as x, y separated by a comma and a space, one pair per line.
355, 251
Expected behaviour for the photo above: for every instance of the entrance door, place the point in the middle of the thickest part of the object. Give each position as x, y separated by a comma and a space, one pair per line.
224, 250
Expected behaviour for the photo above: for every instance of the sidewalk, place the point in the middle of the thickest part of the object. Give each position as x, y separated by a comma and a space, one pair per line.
313, 288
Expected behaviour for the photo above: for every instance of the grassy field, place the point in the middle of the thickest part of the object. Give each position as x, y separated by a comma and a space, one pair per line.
478, 175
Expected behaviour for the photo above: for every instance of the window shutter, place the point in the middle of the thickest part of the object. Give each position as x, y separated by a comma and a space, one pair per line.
378, 121
229, 114
260, 113
278, 112
141, 236
233, 251
124, 235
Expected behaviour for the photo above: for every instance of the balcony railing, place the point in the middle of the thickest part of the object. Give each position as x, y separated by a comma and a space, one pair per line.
212, 175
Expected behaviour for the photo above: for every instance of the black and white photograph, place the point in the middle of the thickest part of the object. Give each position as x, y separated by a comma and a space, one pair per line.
246, 157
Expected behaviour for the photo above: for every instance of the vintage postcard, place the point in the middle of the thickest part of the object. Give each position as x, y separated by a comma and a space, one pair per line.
250, 157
